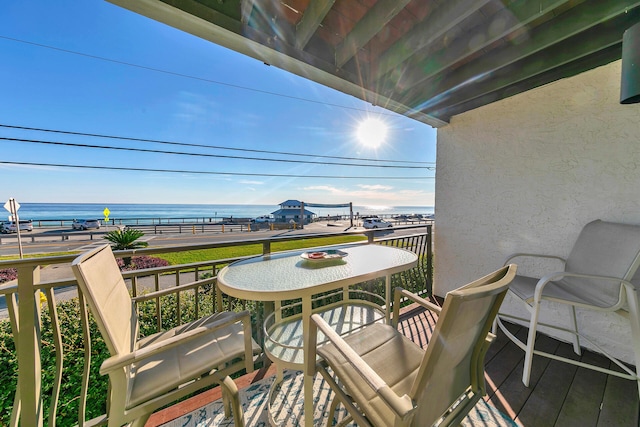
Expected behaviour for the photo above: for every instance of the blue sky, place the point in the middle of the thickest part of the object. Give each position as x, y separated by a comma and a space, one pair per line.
208, 96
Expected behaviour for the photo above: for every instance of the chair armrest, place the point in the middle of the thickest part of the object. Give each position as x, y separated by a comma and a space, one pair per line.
400, 292
402, 406
172, 290
560, 274
417, 299
524, 254
120, 361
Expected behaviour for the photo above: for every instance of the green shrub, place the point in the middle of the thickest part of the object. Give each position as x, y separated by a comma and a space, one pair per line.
73, 350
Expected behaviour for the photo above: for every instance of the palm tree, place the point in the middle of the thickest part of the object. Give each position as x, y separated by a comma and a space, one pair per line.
125, 239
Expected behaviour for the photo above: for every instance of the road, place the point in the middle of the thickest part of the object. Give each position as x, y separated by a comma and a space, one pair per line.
50, 240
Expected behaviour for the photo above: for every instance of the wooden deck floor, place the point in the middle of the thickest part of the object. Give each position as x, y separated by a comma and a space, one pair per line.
560, 394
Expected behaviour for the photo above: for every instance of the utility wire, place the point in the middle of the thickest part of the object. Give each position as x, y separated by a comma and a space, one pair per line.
58, 165
145, 150
184, 144
172, 73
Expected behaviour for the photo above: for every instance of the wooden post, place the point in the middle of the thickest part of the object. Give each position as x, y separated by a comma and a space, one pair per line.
28, 348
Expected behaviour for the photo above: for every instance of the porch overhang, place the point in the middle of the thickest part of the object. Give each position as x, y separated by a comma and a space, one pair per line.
425, 59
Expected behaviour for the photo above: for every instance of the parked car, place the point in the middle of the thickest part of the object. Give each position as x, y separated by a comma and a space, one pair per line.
10, 226
263, 218
376, 223
85, 224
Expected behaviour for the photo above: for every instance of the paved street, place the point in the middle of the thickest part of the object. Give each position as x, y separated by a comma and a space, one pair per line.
52, 240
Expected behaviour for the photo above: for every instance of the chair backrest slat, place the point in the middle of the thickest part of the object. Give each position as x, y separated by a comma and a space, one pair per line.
99, 278
451, 359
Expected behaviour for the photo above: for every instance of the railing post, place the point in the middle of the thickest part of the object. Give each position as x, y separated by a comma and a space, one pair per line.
266, 248
28, 347
430, 257
370, 237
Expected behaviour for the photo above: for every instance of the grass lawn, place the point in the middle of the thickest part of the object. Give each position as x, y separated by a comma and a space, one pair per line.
187, 257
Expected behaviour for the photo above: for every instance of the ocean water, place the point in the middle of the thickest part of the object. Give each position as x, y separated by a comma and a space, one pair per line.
68, 211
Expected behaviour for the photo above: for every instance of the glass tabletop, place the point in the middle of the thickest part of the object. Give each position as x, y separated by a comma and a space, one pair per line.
281, 275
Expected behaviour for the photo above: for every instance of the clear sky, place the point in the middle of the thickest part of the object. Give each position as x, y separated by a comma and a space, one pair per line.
54, 76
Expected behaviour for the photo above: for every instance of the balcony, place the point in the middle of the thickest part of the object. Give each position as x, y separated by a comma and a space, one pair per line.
61, 369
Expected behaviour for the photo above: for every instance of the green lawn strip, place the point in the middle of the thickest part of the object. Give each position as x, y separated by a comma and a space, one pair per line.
187, 257
42, 255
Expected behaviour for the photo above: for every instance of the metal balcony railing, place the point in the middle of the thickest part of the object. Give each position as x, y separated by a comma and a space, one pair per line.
51, 372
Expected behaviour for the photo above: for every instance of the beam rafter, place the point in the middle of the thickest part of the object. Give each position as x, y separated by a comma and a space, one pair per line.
504, 23
375, 19
571, 50
311, 20
422, 35
576, 21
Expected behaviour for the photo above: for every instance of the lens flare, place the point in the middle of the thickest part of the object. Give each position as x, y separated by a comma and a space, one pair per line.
372, 132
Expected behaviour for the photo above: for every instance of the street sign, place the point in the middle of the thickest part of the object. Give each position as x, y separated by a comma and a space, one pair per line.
12, 206
106, 213
7, 205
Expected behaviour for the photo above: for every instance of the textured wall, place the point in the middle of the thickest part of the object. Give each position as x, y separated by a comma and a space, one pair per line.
526, 173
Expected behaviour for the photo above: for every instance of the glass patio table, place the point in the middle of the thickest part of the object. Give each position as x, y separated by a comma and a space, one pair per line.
292, 275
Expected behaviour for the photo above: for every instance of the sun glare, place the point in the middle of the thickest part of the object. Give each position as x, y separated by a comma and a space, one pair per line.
372, 132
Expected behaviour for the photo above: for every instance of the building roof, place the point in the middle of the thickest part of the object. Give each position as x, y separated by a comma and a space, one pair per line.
291, 212
291, 202
426, 59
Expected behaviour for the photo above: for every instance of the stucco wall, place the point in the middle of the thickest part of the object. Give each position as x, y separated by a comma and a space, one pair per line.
526, 173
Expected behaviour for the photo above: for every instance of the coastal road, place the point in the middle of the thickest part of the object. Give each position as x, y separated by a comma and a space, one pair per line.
49, 241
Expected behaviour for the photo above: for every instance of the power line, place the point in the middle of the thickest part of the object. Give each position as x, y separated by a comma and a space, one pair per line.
184, 144
146, 150
187, 76
209, 172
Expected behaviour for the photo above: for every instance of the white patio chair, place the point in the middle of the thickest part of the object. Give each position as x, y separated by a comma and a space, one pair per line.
384, 379
597, 275
154, 371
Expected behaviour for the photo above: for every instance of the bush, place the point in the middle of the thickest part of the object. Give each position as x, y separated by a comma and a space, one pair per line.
140, 262
73, 359
8, 274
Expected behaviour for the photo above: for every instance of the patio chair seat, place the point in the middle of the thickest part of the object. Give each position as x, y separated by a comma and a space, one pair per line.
378, 345
524, 288
167, 370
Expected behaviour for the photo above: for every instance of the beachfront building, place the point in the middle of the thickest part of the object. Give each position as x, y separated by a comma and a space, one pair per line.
291, 210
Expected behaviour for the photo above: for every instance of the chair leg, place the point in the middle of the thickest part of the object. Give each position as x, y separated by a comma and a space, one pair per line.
574, 326
332, 410
531, 341
634, 319
226, 402
233, 399
141, 421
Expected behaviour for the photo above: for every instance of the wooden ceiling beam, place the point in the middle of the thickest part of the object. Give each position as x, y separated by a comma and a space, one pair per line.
311, 20
511, 19
370, 25
436, 25
571, 50
246, 7
587, 63
577, 20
